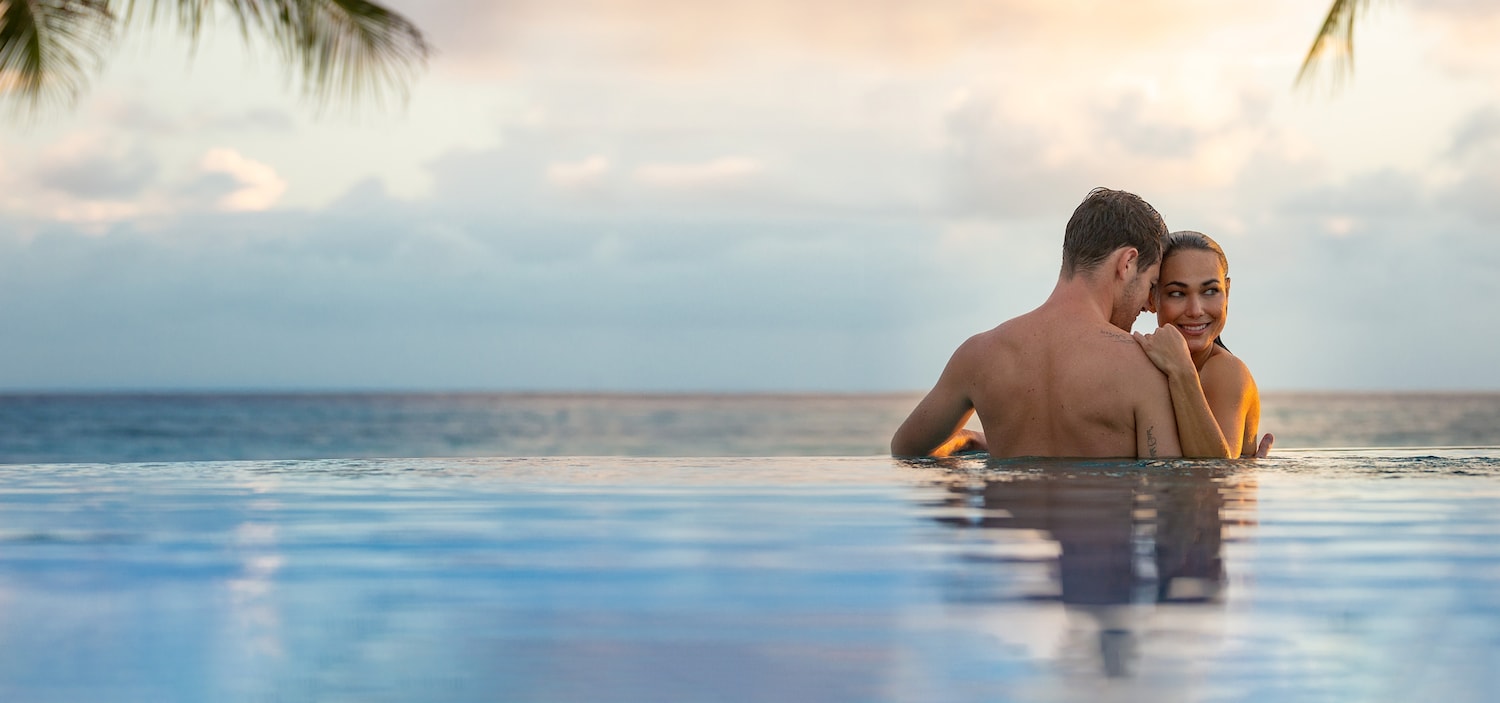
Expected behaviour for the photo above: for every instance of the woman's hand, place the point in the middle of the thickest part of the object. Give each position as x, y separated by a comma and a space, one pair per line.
1167, 348
962, 441
1264, 448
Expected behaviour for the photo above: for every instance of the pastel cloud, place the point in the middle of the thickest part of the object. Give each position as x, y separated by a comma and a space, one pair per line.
486, 33
93, 167
578, 174
256, 185
723, 171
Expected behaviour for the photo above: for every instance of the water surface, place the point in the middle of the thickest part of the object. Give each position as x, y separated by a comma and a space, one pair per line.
1307, 577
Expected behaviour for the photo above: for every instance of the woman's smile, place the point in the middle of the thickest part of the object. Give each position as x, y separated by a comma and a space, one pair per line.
1192, 294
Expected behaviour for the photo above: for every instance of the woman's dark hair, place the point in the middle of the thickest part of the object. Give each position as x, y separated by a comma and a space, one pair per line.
1189, 240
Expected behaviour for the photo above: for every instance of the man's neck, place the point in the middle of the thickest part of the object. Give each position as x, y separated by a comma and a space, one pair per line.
1087, 298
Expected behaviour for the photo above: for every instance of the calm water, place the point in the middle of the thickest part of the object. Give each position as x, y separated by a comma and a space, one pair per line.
1313, 576
198, 427
131, 569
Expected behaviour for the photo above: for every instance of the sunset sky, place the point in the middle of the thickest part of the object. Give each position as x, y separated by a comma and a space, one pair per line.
738, 195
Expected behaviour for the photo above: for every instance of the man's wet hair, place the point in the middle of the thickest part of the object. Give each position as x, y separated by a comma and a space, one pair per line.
1107, 220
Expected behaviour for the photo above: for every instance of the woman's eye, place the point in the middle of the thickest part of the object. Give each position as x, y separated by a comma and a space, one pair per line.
1174, 294
1211, 291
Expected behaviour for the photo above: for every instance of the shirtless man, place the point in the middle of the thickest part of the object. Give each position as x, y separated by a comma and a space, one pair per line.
1066, 379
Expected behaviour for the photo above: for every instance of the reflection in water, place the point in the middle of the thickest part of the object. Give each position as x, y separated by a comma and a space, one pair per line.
1126, 538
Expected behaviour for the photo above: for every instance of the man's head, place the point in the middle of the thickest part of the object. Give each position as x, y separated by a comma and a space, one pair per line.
1118, 231
1108, 220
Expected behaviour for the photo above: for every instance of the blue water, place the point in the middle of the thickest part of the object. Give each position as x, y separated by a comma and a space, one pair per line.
254, 547
120, 427
1312, 576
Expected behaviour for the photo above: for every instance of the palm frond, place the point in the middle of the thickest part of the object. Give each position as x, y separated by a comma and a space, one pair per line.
49, 47
356, 50
339, 49
350, 49
1334, 44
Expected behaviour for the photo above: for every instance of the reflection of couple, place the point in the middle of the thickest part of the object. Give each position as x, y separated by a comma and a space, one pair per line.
1098, 519
1068, 378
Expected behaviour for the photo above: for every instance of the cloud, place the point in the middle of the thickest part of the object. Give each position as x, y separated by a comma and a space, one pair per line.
1476, 134
255, 186
590, 172
715, 173
477, 33
92, 167
140, 117
1462, 36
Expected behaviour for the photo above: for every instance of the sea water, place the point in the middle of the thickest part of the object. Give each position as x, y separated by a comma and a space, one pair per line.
1315, 575
122, 427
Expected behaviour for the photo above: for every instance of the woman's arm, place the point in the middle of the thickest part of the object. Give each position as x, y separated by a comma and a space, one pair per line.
1235, 402
1198, 428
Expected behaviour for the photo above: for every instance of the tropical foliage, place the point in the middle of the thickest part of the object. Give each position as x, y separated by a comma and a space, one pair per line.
1334, 45
336, 49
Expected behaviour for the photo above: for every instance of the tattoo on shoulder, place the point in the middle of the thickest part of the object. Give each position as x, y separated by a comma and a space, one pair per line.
1119, 337
1151, 440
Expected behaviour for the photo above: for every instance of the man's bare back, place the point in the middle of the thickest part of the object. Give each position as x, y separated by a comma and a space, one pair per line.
1046, 386
1066, 379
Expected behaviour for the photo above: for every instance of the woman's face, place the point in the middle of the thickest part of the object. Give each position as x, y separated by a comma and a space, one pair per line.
1192, 293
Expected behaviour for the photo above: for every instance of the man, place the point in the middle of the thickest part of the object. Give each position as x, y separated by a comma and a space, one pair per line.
1066, 379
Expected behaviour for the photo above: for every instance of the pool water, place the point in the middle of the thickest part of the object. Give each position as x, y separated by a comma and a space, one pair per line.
1313, 576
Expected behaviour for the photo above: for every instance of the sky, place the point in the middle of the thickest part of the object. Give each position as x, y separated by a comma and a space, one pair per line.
749, 195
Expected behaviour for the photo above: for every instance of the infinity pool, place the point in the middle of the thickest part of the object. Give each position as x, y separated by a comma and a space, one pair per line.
1314, 576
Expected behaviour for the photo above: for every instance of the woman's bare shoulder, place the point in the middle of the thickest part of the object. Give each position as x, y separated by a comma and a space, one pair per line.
1224, 368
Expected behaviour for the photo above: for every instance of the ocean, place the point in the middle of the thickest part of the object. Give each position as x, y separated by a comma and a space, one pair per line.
65, 428
645, 549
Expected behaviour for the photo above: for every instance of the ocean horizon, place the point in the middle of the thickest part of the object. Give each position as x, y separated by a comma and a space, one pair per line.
165, 426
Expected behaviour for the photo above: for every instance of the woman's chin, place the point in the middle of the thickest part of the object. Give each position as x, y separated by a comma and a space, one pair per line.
1197, 346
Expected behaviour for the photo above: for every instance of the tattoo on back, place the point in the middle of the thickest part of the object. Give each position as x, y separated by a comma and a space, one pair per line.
1151, 440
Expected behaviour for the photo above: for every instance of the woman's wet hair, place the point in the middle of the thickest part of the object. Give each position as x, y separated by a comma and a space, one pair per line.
1188, 240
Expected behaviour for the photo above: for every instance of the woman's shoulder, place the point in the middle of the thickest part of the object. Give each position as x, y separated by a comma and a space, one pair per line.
1224, 367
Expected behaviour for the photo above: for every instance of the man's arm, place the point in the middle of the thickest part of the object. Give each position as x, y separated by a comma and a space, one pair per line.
1155, 420
1200, 430
935, 427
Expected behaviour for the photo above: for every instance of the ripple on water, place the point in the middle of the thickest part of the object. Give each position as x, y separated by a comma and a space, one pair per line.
1357, 575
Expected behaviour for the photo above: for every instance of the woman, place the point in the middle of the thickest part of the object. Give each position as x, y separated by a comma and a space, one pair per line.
1213, 394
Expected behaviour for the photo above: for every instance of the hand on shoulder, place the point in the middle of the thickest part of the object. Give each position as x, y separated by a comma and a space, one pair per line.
1167, 349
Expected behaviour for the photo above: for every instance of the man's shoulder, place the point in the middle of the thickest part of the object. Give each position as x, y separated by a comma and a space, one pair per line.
1002, 335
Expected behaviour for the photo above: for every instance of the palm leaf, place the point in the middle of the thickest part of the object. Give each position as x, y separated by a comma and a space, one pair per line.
1334, 43
48, 47
339, 49
354, 49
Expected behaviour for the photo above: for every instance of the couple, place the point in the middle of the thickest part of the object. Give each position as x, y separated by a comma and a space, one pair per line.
1070, 379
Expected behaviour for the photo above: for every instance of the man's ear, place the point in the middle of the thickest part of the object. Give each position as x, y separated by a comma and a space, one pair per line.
1125, 259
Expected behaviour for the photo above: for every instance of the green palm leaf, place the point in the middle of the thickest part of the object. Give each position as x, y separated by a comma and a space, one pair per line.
1334, 44
48, 47
338, 49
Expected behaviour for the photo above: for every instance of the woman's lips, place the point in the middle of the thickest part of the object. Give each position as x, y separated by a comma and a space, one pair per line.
1193, 329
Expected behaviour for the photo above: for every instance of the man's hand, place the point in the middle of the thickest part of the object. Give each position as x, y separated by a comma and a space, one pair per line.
1168, 349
